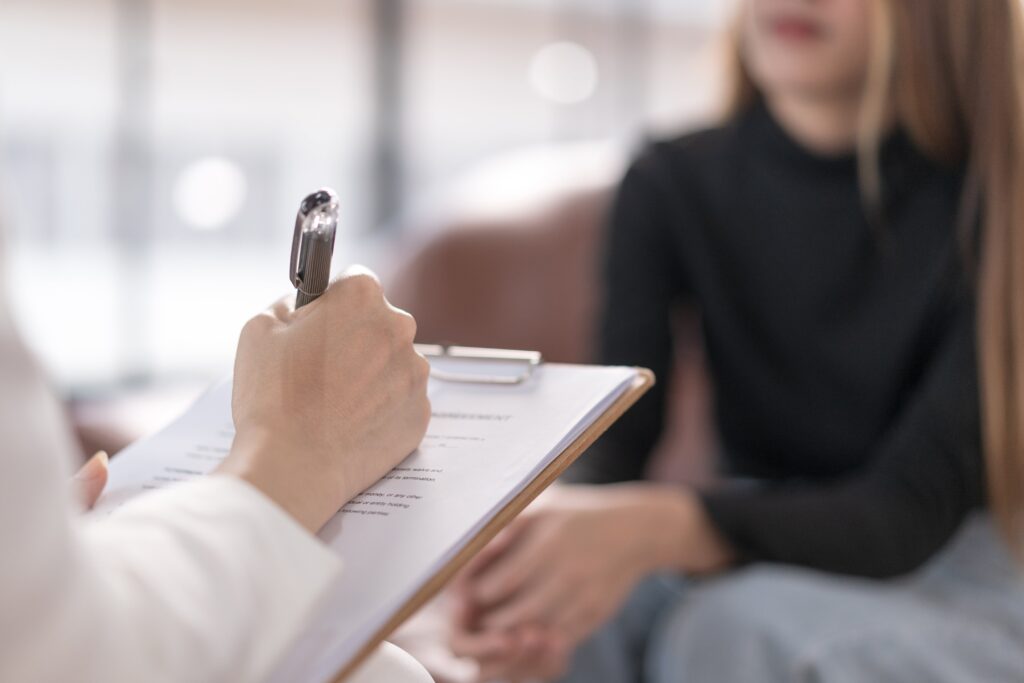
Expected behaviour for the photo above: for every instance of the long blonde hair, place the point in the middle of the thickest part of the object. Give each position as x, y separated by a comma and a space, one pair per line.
952, 74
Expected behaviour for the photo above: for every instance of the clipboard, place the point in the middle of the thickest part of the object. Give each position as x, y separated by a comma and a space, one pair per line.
528, 359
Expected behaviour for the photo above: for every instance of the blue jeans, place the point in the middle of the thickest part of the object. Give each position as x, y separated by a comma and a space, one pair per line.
959, 618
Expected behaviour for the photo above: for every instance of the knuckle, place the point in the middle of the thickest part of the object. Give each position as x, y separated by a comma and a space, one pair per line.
363, 287
407, 325
421, 371
395, 335
412, 379
425, 414
258, 325
425, 424
401, 330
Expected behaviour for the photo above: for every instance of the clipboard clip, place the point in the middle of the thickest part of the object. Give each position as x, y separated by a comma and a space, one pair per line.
474, 365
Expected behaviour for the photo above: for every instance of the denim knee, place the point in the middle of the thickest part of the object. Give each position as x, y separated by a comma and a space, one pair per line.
615, 653
735, 628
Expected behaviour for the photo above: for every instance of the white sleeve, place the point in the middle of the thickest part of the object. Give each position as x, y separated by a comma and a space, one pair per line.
206, 581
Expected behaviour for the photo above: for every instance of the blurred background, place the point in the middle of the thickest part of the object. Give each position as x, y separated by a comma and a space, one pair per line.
153, 152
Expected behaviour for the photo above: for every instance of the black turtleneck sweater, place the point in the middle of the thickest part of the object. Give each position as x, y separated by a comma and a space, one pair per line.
841, 346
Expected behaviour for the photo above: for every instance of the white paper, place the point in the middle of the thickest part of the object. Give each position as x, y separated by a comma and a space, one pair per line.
485, 443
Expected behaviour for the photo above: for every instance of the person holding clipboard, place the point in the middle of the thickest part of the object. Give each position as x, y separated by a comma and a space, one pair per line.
209, 580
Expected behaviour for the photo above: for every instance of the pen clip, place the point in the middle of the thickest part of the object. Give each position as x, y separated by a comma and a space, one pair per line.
324, 200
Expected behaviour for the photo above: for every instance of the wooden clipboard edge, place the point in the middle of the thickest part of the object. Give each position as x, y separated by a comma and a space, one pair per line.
644, 381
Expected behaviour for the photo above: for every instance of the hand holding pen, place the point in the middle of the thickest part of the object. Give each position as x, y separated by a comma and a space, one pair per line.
325, 403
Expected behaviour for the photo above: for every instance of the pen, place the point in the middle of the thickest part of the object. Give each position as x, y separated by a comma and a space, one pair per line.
313, 244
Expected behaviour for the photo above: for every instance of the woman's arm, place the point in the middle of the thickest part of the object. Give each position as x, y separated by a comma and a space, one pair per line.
211, 580
924, 477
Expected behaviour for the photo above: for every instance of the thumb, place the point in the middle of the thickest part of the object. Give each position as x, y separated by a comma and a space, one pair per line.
89, 481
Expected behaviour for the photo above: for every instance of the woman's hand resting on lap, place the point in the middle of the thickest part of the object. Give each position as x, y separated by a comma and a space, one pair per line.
566, 566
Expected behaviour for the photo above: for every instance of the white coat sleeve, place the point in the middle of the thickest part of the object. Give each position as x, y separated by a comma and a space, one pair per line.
206, 581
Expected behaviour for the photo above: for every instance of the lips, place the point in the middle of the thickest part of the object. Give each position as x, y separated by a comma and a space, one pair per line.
795, 29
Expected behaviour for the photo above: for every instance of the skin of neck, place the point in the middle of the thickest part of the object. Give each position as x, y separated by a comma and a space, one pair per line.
824, 124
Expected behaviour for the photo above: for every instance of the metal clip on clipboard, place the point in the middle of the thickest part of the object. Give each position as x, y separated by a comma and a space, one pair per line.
471, 365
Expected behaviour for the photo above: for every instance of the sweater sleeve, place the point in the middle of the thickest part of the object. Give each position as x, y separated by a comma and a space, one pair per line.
886, 519
642, 280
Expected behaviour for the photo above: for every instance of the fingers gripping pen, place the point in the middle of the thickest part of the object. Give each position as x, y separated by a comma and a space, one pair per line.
313, 244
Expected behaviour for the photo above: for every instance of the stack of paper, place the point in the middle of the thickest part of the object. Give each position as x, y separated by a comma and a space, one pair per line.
484, 445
